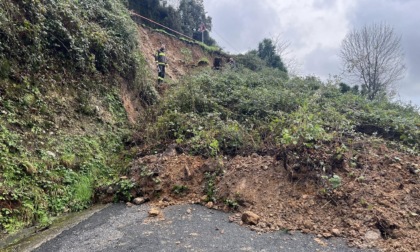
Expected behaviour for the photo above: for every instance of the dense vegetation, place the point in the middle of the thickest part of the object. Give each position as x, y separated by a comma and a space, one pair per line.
62, 123
240, 112
266, 56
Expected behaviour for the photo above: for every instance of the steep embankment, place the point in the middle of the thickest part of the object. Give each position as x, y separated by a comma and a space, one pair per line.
183, 56
69, 70
72, 83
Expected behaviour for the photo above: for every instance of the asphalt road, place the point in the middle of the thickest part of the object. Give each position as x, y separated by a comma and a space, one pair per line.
122, 228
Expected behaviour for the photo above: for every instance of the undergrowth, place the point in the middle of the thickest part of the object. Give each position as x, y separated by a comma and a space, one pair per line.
240, 112
62, 121
47, 166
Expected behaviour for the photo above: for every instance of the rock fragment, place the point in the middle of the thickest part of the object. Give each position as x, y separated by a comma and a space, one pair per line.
250, 218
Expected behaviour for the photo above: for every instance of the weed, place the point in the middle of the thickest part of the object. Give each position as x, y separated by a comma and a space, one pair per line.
124, 190
364, 203
187, 54
83, 193
180, 189
233, 204
210, 186
330, 184
146, 172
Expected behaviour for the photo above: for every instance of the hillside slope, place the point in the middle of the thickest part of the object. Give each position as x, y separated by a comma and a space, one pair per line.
69, 70
73, 86
297, 152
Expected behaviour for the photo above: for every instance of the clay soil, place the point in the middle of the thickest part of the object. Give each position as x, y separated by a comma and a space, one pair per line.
377, 204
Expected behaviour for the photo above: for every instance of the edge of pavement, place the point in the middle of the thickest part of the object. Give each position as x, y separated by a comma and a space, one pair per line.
31, 238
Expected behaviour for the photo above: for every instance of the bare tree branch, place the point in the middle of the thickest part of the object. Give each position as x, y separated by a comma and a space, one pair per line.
285, 53
373, 57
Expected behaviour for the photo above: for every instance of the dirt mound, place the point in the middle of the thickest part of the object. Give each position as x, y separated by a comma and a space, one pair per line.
376, 204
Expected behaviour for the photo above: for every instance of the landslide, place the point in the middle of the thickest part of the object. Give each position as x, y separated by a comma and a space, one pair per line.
298, 152
295, 151
376, 206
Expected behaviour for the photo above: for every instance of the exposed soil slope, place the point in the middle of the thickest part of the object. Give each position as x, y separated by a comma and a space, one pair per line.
376, 205
182, 56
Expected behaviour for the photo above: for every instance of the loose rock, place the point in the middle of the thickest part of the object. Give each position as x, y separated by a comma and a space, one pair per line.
209, 204
250, 218
372, 235
139, 200
153, 212
336, 232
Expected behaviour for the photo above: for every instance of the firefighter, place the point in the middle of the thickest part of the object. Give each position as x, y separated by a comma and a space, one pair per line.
232, 63
161, 62
217, 63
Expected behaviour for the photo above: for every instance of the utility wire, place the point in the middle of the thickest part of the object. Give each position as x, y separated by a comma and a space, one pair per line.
140, 16
227, 42
183, 35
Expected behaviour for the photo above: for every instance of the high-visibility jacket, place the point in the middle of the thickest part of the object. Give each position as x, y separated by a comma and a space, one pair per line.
161, 58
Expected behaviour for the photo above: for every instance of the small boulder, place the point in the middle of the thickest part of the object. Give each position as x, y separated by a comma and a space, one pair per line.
327, 235
372, 235
209, 204
153, 212
250, 218
336, 232
139, 200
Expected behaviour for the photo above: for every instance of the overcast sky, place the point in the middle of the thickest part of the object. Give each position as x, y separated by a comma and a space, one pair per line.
315, 29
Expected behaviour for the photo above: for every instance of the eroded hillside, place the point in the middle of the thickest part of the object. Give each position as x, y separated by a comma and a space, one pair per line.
183, 56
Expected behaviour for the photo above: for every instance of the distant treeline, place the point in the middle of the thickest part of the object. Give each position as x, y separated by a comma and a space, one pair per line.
187, 18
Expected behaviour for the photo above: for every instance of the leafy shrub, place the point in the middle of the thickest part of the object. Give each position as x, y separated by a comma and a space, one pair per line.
250, 61
86, 38
180, 189
88, 33
238, 112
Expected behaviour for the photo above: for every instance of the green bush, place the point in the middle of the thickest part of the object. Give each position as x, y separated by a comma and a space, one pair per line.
71, 40
87, 35
233, 112
61, 66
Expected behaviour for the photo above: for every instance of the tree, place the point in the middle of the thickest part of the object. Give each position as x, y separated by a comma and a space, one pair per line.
192, 16
147, 8
250, 60
185, 16
283, 49
157, 11
373, 57
267, 52
169, 17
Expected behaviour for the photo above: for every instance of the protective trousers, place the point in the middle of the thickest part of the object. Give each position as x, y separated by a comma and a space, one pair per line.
161, 73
